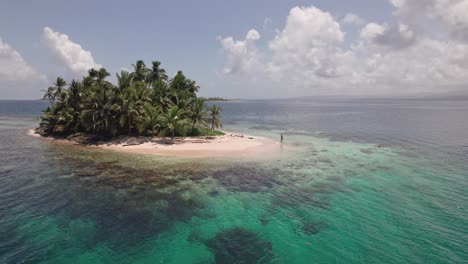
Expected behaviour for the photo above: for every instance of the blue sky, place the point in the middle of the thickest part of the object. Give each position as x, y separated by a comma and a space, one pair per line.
188, 35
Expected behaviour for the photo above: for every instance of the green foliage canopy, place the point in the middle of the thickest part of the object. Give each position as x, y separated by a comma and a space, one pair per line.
143, 102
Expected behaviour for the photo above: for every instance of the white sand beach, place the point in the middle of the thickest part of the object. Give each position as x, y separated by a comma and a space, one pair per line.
229, 145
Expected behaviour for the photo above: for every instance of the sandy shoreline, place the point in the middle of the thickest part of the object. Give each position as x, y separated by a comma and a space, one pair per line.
230, 145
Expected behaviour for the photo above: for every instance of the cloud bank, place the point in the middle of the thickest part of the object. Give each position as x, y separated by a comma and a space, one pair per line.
71, 54
312, 55
18, 79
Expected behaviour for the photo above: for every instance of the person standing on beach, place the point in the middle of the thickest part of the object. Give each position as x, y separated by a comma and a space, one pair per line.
282, 137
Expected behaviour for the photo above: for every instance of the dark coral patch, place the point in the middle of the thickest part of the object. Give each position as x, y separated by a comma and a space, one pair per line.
238, 245
300, 197
264, 220
313, 228
247, 179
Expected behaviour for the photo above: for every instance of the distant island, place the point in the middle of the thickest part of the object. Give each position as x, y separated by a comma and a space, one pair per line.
143, 113
144, 102
215, 99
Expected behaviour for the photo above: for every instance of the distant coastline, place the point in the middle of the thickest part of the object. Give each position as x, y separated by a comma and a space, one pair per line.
215, 99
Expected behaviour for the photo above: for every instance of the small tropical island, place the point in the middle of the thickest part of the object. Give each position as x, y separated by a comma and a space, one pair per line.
145, 112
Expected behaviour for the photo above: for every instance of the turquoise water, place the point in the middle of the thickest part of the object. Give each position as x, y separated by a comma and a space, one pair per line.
363, 182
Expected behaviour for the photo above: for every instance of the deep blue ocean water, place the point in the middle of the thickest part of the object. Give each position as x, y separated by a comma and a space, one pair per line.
370, 181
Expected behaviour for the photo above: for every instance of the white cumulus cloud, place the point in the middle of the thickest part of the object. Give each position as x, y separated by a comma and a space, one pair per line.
371, 31
18, 79
72, 55
354, 19
241, 54
307, 26
396, 36
451, 14
310, 56
307, 41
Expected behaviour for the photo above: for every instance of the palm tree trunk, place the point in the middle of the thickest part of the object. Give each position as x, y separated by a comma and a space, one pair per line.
129, 126
173, 134
212, 123
193, 125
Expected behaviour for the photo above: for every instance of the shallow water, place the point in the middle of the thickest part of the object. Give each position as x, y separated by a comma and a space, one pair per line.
368, 182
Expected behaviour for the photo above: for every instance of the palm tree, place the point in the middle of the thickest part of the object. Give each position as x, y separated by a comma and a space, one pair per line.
140, 71
87, 82
67, 120
98, 115
156, 73
123, 80
173, 119
182, 83
192, 86
48, 122
76, 95
60, 84
126, 108
214, 113
142, 93
161, 94
102, 74
144, 99
197, 112
49, 94
148, 121
53, 92
178, 82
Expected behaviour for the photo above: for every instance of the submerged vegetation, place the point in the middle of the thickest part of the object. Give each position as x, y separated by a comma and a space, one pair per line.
144, 102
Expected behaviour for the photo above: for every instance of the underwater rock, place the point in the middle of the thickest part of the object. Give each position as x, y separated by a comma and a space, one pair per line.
383, 167
325, 160
194, 236
247, 179
264, 220
106, 165
238, 245
86, 174
335, 178
312, 228
300, 197
333, 185
213, 193
366, 151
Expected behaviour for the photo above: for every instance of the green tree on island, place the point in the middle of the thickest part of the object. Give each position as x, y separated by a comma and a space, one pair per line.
173, 119
54, 91
214, 113
144, 102
198, 113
